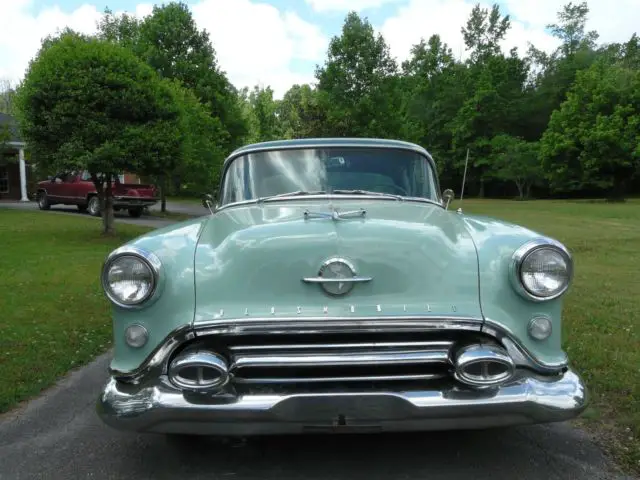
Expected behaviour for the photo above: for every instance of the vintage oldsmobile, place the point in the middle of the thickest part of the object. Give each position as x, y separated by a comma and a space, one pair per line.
331, 289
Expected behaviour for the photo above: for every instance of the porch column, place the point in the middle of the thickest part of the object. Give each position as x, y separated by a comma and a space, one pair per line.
23, 176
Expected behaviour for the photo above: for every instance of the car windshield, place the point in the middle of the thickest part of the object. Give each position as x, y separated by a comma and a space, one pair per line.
394, 172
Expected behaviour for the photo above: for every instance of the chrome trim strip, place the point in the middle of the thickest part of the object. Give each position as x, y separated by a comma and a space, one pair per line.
518, 352
337, 280
322, 346
280, 325
150, 259
522, 252
339, 359
368, 378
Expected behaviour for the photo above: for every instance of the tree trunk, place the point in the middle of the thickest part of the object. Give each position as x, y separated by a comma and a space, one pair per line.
163, 193
527, 194
520, 190
618, 190
481, 192
108, 222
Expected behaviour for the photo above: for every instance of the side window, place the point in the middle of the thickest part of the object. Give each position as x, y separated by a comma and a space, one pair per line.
86, 176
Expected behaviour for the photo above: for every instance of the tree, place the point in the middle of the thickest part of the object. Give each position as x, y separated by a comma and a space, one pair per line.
484, 31
171, 43
92, 105
493, 92
358, 84
517, 161
300, 113
263, 115
593, 141
7, 94
555, 73
433, 95
201, 156
123, 29
571, 29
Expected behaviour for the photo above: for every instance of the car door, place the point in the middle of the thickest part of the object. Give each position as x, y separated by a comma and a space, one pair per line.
54, 188
72, 186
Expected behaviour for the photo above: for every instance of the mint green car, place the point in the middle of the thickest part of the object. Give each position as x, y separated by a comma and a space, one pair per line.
329, 289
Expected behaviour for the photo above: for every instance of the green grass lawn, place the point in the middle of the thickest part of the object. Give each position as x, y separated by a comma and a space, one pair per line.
602, 310
54, 315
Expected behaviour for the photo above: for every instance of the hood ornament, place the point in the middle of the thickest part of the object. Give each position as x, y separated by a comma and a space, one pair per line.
337, 277
335, 215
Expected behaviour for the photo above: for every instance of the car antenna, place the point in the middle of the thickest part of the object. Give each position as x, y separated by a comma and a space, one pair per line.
464, 179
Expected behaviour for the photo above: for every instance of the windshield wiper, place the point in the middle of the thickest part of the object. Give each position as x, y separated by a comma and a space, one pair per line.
369, 192
297, 193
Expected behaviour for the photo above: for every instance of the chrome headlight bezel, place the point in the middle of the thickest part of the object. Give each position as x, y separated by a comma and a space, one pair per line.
150, 260
523, 252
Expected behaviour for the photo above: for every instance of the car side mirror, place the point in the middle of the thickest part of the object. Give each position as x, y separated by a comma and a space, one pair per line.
448, 196
208, 201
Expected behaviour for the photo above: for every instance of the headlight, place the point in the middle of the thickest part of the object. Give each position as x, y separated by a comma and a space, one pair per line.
541, 270
130, 276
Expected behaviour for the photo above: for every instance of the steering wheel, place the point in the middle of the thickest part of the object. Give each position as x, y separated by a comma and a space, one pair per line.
398, 189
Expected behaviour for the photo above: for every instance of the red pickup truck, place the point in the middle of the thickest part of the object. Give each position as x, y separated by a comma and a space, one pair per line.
77, 188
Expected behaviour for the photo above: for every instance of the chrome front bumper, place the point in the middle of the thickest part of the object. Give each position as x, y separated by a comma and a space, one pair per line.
527, 399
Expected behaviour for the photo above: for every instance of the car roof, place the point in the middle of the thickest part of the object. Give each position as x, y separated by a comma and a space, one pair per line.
328, 142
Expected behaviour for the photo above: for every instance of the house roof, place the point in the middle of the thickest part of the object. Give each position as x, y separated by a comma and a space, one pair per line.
11, 125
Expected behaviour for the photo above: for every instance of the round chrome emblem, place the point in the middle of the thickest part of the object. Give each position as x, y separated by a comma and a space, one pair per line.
333, 270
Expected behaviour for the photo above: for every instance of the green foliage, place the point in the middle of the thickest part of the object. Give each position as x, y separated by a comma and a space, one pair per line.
261, 111
358, 85
484, 31
593, 140
202, 154
7, 95
89, 104
517, 161
170, 42
301, 114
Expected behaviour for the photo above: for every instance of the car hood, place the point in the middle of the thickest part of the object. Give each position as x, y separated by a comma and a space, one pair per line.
250, 261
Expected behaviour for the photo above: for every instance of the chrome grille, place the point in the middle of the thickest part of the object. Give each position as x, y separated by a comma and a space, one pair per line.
339, 362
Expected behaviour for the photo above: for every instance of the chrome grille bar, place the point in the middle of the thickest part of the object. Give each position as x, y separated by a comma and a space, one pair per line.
370, 378
340, 359
444, 345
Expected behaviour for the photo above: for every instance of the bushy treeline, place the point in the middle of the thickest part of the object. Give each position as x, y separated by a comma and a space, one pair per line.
563, 123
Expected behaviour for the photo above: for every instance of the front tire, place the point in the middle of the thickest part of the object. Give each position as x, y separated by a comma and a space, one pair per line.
43, 201
93, 207
135, 212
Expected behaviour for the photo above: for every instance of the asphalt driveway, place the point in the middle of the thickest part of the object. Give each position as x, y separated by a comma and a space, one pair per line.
59, 436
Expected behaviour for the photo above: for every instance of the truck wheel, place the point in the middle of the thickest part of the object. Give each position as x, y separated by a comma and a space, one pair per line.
135, 212
43, 201
94, 206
